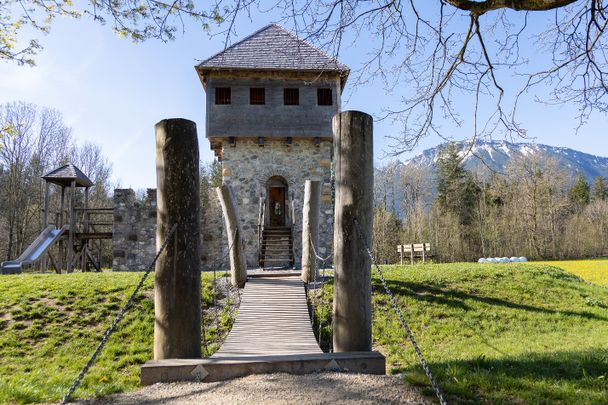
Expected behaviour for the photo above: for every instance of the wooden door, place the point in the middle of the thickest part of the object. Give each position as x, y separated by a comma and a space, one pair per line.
276, 199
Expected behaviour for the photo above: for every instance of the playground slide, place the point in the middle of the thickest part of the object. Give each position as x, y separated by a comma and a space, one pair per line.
39, 246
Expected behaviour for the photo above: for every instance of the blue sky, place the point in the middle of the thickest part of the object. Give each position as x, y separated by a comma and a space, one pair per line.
112, 92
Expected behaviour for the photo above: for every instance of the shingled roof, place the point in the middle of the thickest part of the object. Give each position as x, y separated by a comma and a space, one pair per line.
66, 174
273, 48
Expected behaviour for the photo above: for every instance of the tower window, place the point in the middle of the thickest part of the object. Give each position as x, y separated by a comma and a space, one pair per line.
257, 95
324, 97
291, 96
222, 95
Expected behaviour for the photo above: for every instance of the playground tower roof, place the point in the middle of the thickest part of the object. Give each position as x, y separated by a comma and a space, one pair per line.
65, 174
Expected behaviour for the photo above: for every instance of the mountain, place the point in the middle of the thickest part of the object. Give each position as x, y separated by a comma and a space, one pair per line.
496, 155
493, 155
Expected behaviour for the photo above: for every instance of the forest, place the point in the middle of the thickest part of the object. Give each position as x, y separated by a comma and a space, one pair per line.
534, 209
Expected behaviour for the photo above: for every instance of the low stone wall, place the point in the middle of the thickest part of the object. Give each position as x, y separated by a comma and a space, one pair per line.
134, 233
214, 246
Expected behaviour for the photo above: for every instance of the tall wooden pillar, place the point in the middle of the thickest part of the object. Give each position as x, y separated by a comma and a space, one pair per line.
353, 160
310, 229
177, 281
232, 219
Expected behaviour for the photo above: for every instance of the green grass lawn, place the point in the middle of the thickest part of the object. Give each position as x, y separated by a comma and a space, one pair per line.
492, 333
594, 270
496, 333
50, 325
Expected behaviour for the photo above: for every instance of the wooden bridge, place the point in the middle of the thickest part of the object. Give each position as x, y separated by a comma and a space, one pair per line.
272, 333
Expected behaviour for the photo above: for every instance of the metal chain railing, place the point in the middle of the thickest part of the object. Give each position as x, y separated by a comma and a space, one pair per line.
404, 323
215, 266
316, 282
117, 320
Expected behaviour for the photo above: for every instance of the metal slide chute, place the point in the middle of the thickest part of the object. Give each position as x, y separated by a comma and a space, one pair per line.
35, 251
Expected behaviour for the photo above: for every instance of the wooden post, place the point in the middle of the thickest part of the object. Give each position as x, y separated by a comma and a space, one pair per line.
45, 216
353, 160
177, 280
62, 206
310, 229
72, 221
61, 245
412, 253
45, 222
401, 253
85, 220
423, 252
232, 219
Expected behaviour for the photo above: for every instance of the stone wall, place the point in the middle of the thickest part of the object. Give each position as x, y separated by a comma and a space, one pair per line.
248, 167
134, 233
213, 246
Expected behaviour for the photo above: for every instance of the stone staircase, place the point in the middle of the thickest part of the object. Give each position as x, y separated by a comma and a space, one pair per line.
276, 248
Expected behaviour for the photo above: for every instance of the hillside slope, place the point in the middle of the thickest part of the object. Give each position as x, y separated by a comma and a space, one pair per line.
499, 334
50, 325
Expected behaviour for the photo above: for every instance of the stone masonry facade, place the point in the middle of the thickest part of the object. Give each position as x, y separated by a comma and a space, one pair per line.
247, 167
134, 233
214, 245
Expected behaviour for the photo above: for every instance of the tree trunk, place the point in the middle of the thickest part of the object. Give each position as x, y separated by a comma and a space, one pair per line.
177, 283
310, 229
353, 157
232, 219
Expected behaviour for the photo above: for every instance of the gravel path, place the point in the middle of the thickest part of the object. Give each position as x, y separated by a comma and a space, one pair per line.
320, 388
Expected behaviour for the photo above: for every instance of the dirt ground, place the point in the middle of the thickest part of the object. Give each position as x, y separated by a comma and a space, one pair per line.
320, 388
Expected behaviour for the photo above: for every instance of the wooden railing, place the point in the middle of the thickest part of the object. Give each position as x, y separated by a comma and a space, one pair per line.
261, 220
291, 208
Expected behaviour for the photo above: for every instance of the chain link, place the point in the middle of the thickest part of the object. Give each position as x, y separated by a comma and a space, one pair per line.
117, 320
215, 265
316, 283
405, 325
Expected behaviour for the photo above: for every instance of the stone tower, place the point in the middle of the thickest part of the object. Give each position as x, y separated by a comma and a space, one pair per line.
270, 100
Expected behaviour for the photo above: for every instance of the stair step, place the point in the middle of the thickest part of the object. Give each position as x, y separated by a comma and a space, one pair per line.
276, 248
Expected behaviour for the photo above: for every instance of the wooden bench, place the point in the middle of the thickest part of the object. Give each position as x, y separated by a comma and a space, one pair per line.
415, 250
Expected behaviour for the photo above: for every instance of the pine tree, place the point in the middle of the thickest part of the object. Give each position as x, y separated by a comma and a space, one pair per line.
456, 189
599, 190
580, 193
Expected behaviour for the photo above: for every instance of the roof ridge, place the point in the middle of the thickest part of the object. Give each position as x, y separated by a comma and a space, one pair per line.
333, 58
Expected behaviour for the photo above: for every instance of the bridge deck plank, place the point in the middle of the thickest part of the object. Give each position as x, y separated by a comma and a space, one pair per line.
273, 320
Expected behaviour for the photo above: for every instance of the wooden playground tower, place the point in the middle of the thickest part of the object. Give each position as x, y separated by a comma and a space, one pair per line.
82, 229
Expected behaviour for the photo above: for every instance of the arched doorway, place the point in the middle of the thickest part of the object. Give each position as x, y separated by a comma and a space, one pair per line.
277, 194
